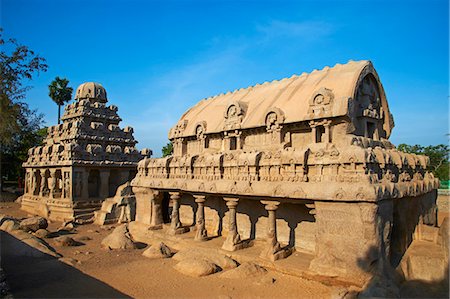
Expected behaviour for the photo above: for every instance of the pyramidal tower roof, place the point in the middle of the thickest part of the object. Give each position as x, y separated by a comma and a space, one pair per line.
89, 134
91, 91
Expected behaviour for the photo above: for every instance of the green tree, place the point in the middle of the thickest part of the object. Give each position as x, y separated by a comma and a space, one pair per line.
167, 150
438, 154
60, 93
18, 123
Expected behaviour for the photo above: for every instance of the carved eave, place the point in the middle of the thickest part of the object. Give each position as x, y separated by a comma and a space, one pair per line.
362, 192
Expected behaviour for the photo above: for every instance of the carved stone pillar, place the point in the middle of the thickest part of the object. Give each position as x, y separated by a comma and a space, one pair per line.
52, 183
104, 184
143, 197
273, 249
201, 234
43, 182
175, 224
327, 132
313, 134
157, 217
233, 241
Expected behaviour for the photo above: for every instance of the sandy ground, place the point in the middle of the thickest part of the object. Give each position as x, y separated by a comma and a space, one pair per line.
101, 273
110, 274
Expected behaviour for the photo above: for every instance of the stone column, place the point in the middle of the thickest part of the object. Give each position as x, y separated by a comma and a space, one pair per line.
273, 249
201, 234
233, 241
175, 224
43, 182
157, 217
313, 132
104, 184
52, 183
143, 197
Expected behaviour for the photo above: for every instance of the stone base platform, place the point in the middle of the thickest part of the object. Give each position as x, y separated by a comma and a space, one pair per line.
297, 264
59, 210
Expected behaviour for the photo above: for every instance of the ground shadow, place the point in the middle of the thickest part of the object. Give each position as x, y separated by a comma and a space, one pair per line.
31, 273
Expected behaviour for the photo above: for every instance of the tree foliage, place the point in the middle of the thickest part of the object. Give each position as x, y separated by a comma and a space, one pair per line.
19, 124
60, 93
438, 154
167, 150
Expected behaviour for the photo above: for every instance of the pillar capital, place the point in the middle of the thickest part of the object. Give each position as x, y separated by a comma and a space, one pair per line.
199, 198
231, 202
270, 205
175, 195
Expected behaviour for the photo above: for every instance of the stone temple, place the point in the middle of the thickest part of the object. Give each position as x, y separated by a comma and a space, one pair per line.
302, 164
83, 160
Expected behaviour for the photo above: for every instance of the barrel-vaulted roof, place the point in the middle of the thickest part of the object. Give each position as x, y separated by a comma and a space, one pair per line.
290, 97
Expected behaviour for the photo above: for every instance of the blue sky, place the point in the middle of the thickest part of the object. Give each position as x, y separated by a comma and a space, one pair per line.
158, 58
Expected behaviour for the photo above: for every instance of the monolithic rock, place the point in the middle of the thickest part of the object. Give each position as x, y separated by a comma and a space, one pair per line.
67, 226
119, 239
33, 224
158, 251
82, 161
246, 270
221, 260
42, 233
42, 247
444, 235
196, 267
304, 161
425, 261
65, 241
9, 225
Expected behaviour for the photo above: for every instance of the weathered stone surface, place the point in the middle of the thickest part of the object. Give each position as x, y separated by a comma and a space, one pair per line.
304, 163
246, 270
425, 261
42, 247
33, 224
119, 239
65, 241
221, 260
196, 267
67, 226
158, 251
42, 233
82, 161
444, 235
9, 225
118, 209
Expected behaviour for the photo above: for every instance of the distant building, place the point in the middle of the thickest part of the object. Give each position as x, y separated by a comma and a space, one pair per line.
83, 160
303, 163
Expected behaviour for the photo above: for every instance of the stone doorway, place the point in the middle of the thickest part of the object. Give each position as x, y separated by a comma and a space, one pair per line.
93, 183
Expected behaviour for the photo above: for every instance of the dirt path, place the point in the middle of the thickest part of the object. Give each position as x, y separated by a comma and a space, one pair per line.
100, 273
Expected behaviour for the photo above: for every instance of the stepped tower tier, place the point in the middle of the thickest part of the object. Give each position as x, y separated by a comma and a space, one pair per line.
81, 161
